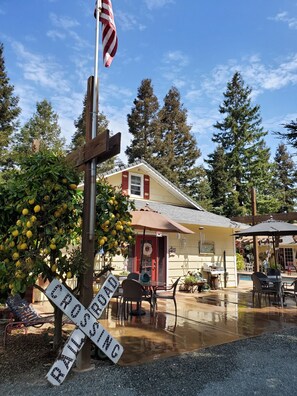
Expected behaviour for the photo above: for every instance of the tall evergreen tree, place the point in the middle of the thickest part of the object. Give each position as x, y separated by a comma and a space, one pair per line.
43, 126
142, 122
242, 137
178, 152
79, 136
218, 176
291, 135
9, 111
285, 179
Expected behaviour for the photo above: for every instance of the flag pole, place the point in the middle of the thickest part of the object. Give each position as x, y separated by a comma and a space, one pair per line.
95, 112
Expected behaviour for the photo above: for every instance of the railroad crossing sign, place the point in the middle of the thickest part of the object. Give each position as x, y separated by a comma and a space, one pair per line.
87, 326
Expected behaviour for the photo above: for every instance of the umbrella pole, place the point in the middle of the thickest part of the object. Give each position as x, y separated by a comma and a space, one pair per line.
141, 250
274, 251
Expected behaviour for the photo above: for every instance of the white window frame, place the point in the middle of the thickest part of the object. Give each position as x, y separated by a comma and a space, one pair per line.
141, 185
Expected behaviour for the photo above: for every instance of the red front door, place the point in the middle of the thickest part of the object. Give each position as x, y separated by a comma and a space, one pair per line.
147, 255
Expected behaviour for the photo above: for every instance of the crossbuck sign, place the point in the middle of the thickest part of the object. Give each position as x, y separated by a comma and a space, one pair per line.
87, 326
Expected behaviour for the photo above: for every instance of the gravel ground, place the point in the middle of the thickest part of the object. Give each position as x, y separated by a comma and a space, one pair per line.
264, 365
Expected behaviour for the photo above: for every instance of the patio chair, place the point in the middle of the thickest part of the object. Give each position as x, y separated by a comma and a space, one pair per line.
133, 275
24, 316
133, 292
165, 293
290, 290
262, 288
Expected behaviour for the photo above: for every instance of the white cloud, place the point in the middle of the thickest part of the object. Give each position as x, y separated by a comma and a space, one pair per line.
177, 58
284, 17
151, 4
128, 21
41, 70
54, 34
259, 76
65, 23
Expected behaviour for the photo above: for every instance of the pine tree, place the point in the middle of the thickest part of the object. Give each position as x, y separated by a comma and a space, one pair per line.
142, 122
291, 135
79, 136
242, 138
285, 179
219, 180
43, 127
9, 111
178, 152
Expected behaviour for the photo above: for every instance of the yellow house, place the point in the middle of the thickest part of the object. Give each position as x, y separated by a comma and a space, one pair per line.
170, 255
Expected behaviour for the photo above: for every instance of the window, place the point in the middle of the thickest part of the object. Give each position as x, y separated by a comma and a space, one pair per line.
136, 185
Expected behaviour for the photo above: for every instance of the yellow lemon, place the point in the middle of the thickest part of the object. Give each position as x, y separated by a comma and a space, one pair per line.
28, 224
1, 247
54, 268
18, 263
15, 233
12, 244
113, 232
53, 246
25, 211
23, 246
15, 256
101, 241
31, 201
37, 208
33, 219
29, 234
18, 223
69, 275
72, 186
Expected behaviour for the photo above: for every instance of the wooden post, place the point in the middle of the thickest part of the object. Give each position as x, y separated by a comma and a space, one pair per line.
88, 244
100, 149
255, 239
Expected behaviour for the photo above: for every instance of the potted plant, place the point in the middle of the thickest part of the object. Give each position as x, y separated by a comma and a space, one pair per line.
189, 282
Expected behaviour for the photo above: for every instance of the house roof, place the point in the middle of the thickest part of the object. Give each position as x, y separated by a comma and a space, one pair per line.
158, 177
189, 213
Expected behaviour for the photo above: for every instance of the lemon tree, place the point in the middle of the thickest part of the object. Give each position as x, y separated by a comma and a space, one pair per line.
113, 232
41, 216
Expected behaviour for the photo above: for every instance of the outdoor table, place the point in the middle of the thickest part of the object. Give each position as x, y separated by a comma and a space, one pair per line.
152, 285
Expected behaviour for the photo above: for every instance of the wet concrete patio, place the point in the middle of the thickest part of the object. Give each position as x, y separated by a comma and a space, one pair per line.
203, 319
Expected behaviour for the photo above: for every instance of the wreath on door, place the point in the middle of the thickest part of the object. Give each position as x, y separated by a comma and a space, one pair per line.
147, 249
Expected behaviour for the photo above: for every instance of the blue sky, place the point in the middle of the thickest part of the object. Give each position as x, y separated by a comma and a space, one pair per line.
194, 45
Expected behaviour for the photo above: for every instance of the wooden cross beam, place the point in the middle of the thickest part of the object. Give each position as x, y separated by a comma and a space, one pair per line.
101, 148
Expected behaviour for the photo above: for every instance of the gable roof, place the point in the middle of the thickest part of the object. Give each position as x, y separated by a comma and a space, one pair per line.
190, 216
152, 172
190, 213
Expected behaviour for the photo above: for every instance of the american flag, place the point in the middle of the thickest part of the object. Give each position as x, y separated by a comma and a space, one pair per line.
109, 32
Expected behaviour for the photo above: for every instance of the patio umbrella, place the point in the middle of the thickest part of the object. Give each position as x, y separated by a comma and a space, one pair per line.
148, 219
272, 228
